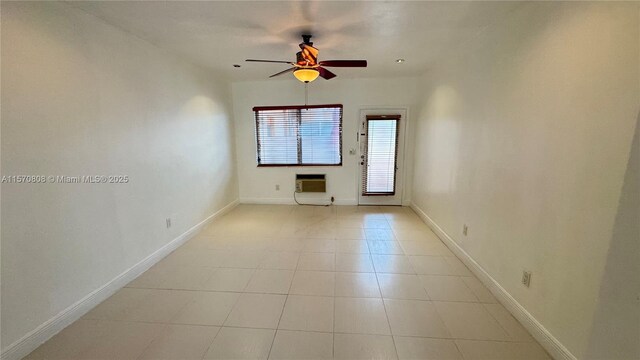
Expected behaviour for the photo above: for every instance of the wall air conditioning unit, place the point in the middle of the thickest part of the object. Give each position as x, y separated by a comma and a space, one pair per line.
311, 183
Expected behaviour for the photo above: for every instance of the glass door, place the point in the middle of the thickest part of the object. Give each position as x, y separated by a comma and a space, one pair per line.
380, 137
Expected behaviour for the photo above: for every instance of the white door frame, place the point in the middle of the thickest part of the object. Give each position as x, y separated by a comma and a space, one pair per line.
395, 199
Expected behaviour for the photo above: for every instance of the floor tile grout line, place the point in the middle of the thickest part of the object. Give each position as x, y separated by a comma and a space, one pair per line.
206, 351
455, 343
164, 326
170, 322
333, 327
508, 333
318, 271
460, 277
282, 311
223, 322
327, 332
384, 306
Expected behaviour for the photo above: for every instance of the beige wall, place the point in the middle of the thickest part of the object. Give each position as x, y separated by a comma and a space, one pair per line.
80, 97
525, 135
257, 185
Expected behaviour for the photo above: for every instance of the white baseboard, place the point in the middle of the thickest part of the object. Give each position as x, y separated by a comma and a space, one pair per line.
48, 329
290, 201
267, 201
346, 202
550, 343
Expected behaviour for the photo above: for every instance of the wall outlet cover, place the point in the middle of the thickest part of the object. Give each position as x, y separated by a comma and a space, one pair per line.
526, 278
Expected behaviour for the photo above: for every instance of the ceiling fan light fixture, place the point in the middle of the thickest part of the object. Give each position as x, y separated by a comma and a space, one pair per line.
307, 68
306, 75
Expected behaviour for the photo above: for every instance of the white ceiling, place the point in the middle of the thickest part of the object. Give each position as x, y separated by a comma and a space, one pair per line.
218, 34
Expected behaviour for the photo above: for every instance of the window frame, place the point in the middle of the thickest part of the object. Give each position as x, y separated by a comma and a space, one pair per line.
256, 111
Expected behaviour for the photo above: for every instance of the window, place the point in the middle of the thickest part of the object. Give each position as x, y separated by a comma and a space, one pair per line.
299, 135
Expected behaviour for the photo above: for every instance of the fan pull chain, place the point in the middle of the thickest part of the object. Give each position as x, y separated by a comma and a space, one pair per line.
306, 94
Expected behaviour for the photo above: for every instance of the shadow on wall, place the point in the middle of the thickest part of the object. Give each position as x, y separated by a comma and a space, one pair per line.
615, 332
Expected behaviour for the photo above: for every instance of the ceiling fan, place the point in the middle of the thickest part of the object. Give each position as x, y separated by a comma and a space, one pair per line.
307, 68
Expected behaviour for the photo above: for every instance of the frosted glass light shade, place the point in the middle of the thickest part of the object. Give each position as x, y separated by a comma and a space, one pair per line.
306, 75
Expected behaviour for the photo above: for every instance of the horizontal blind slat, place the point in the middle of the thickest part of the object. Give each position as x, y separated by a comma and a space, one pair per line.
299, 136
379, 177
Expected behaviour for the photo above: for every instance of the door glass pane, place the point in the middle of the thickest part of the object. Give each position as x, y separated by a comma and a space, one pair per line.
381, 156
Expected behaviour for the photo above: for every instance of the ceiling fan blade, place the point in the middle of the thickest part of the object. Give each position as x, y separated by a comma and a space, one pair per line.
344, 63
283, 72
326, 74
270, 61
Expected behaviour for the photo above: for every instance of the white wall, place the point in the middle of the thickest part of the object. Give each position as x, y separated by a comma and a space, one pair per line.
257, 185
525, 136
80, 97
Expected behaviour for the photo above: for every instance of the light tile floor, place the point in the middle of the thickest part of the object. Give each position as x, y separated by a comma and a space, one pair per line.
297, 282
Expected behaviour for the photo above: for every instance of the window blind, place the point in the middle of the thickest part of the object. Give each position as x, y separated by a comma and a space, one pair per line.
299, 135
379, 175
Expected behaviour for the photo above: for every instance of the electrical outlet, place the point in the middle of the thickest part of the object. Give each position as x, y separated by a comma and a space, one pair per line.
168, 222
465, 229
526, 278
277, 187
